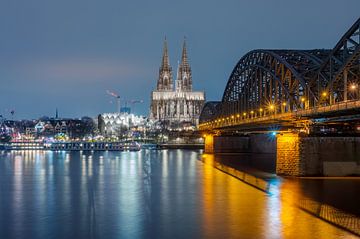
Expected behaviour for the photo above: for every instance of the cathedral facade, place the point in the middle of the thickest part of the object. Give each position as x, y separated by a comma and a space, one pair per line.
176, 103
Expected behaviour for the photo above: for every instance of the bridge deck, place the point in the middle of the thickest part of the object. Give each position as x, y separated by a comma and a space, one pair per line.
297, 118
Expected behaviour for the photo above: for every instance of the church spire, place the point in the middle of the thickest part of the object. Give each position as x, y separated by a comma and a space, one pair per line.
165, 58
185, 70
184, 58
165, 82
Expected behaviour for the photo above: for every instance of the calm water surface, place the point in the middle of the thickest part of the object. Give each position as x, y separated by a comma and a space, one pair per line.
146, 194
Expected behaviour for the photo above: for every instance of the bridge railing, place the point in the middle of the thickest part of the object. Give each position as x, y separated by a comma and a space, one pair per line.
344, 105
236, 120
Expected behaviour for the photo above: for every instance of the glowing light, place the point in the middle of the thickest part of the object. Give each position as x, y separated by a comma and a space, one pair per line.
238, 115
252, 112
353, 87
284, 104
271, 106
244, 114
324, 94
232, 116
261, 110
273, 133
302, 99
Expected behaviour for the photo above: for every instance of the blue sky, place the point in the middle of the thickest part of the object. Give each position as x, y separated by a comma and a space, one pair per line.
67, 53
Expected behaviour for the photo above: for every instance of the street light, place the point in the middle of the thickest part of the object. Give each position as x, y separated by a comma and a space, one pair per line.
353, 87
324, 94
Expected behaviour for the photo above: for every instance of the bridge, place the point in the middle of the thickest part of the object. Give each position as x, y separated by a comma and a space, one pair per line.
292, 93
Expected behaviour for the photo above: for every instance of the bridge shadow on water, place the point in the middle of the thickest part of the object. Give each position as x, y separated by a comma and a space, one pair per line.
334, 199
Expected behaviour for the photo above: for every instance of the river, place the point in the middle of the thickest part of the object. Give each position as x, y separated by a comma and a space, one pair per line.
145, 194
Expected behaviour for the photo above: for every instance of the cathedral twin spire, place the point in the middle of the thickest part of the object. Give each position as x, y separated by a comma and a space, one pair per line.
184, 78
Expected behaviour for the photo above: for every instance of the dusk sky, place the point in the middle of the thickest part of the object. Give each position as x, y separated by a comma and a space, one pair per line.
66, 54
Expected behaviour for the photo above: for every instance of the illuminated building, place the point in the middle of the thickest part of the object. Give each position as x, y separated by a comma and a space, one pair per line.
115, 123
180, 104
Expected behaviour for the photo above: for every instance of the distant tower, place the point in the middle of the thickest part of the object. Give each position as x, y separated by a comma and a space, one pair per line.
184, 70
56, 114
165, 81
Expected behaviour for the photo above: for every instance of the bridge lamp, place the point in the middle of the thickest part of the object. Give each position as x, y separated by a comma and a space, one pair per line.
284, 104
261, 110
271, 107
252, 112
232, 117
238, 115
302, 99
244, 114
324, 94
353, 87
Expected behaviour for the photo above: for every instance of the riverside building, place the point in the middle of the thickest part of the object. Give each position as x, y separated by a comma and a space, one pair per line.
176, 104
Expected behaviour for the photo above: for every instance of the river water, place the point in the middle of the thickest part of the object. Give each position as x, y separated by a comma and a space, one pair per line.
145, 194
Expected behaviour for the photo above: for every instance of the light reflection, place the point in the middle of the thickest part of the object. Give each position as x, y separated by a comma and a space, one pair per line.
145, 194
273, 215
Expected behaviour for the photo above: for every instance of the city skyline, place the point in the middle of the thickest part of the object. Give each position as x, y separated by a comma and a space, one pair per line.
66, 55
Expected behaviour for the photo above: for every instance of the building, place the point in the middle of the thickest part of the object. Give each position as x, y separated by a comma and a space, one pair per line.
118, 123
176, 103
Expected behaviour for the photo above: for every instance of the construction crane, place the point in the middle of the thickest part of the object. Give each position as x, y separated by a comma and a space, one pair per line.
117, 97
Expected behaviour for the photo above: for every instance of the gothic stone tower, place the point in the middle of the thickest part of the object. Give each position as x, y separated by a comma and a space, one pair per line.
165, 81
182, 105
184, 78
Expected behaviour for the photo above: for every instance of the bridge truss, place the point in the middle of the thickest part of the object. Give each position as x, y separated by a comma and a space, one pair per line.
270, 82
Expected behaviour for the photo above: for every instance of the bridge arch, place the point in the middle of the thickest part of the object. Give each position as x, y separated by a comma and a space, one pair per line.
265, 82
271, 78
341, 70
209, 111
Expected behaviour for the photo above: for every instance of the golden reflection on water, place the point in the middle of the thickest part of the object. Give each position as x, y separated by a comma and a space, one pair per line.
247, 211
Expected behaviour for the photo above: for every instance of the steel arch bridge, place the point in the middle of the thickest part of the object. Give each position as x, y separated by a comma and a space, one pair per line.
281, 82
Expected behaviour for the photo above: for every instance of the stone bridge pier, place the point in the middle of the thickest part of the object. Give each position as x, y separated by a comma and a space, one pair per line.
296, 155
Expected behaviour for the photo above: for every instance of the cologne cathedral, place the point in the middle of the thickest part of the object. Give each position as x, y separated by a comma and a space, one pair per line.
176, 104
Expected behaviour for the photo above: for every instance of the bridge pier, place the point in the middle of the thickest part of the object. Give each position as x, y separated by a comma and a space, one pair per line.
288, 156
295, 155
209, 144
298, 155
